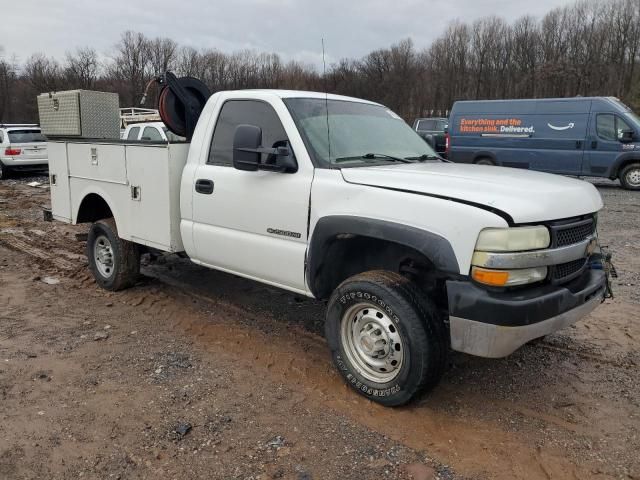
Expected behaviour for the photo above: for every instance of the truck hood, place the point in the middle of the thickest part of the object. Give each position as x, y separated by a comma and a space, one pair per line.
523, 195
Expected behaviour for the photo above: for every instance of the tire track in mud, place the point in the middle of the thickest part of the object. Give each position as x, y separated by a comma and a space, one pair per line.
15, 243
300, 358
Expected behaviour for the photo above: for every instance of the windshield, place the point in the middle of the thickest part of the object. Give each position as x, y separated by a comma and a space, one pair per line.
25, 136
359, 133
633, 117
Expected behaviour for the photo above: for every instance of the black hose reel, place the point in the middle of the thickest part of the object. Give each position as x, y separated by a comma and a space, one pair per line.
180, 103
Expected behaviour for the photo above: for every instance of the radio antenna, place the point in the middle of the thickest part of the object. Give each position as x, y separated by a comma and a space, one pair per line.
326, 98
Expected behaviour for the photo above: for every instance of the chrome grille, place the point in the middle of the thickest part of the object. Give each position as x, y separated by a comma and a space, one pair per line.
565, 271
573, 233
566, 233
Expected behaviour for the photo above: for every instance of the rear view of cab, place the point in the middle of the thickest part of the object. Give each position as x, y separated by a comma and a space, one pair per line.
22, 147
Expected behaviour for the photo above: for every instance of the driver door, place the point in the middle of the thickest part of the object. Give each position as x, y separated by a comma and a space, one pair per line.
251, 223
605, 144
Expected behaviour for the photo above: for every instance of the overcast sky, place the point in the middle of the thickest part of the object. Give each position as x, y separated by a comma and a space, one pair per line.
291, 28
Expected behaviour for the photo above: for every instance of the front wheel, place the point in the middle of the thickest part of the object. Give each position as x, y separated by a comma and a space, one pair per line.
630, 176
115, 263
387, 340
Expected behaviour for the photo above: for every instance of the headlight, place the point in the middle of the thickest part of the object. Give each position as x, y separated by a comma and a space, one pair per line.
514, 239
508, 278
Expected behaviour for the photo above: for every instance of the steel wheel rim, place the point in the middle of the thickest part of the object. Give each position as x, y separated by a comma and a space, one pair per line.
633, 177
103, 256
372, 343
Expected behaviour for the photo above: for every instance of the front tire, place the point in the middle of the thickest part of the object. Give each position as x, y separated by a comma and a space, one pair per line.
114, 263
387, 340
630, 176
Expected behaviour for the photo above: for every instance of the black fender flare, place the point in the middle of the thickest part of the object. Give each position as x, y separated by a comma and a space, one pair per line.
620, 161
433, 246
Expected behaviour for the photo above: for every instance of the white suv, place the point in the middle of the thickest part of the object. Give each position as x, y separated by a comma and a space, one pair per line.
22, 147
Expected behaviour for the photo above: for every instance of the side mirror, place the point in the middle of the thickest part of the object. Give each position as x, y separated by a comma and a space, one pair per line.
248, 151
246, 142
626, 136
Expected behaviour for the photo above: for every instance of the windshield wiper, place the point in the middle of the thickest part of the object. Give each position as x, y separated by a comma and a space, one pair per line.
373, 156
423, 157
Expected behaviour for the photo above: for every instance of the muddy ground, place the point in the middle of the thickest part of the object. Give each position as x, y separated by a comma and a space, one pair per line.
199, 374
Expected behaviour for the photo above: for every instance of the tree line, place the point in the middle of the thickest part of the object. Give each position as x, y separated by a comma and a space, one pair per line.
589, 48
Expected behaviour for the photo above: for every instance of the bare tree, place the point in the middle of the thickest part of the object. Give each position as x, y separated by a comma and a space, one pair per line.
163, 54
42, 73
131, 65
81, 68
7, 81
589, 48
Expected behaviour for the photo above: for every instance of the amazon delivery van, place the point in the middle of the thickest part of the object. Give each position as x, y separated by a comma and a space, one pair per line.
591, 136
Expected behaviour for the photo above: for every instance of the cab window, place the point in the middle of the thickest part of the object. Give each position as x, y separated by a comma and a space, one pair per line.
239, 112
610, 127
133, 133
151, 134
426, 125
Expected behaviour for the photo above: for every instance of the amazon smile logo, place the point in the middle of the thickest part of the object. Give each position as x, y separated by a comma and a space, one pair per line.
566, 127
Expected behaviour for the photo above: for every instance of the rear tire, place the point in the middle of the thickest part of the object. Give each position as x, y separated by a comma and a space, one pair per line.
387, 340
630, 176
485, 161
4, 172
114, 263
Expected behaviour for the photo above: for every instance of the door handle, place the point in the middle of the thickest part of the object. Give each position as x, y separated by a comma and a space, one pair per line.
594, 144
204, 186
578, 144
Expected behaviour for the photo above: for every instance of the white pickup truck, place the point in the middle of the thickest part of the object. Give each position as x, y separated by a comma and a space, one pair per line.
338, 199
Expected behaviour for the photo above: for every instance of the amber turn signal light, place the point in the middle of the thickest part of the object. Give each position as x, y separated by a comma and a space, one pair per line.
495, 278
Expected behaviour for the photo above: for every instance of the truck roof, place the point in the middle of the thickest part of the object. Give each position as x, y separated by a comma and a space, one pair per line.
298, 94
536, 105
146, 124
19, 125
26, 127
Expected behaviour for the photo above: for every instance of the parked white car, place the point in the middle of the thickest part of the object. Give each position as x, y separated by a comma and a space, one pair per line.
150, 132
413, 255
22, 147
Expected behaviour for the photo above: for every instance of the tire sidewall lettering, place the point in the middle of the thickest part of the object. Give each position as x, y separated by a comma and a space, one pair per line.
342, 365
374, 299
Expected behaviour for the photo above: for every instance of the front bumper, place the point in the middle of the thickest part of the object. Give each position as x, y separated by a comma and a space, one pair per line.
495, 324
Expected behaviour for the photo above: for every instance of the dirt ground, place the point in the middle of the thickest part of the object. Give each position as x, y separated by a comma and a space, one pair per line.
198, 374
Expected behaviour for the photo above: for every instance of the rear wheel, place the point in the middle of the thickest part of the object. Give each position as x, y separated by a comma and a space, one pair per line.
4, 172
115, 263
485, 161
387, 340
630, 176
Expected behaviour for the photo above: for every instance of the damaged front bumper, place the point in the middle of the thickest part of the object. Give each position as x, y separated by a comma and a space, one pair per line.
495, 324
